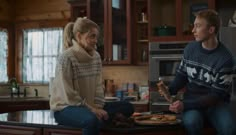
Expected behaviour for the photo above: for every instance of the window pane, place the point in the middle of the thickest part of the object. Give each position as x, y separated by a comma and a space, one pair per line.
41, 48
3, 55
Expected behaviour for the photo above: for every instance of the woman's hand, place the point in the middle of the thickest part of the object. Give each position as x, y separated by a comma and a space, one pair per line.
101, 114
176, 106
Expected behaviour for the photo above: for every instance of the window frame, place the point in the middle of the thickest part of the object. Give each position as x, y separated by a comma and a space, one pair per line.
10, 59
19, 27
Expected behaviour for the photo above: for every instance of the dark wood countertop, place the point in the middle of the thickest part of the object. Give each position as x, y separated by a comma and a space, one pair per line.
45, 119
23, 103
22, 99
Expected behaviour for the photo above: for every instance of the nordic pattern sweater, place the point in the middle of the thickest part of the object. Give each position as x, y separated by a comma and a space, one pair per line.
206, 75
78, 80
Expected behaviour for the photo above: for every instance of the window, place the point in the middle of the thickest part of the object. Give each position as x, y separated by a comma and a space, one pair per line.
41, 48
116, 4
3, 55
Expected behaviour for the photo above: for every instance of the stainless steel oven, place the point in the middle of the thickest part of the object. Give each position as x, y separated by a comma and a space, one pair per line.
164, 59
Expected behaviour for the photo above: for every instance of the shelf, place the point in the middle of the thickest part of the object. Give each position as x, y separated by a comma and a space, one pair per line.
164, 38
142, 22
143, 40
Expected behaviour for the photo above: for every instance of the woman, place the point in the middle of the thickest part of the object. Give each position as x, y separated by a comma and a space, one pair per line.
77, 95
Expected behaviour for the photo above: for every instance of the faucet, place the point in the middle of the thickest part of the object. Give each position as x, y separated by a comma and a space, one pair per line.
14, 87
25, 91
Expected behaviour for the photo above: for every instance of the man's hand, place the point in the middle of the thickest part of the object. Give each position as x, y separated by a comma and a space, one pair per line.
101, 114
176, 106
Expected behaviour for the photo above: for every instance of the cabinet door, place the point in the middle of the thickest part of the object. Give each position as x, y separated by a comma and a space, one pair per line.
118, 34
18, 130
188, 9
113, 17
140, 32
61, 132
97, 14
172, 20
79, 8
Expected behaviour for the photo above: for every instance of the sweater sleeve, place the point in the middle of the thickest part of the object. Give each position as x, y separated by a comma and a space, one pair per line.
180, 79
219, 92
63, 92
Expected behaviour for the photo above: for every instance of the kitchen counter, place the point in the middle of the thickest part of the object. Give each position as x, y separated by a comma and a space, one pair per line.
22, 99
23, 103
43, 119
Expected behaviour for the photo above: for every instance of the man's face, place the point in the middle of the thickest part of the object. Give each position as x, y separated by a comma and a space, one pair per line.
89, 40
201, 29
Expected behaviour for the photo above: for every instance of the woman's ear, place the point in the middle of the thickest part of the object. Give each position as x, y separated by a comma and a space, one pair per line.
78, 35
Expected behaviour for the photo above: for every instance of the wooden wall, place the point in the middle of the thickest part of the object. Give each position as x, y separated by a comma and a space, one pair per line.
33, 10
27, 10
6, 10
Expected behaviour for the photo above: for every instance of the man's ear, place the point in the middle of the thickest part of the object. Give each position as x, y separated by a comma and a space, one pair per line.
212, 29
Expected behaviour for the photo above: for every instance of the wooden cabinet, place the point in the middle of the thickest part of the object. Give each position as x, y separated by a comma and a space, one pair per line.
140, 35
79, 8
18, 130
113, 17
162, 20
172, 20
141, 107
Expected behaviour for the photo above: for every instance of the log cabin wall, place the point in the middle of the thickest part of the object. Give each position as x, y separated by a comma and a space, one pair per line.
31, 10
6, 10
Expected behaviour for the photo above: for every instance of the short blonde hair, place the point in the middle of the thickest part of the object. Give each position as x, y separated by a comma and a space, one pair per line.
212, 18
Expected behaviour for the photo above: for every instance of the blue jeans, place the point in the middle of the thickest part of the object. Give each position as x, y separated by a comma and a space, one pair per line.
218, 117
82, 117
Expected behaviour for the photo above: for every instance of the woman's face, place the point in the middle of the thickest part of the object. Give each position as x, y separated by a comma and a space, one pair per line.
88, 40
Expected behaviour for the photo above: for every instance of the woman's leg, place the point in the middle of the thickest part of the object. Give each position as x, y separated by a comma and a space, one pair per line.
222, 119
80, 117
193, 122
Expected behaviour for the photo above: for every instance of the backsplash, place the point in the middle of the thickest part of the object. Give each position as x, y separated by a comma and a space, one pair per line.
126, 74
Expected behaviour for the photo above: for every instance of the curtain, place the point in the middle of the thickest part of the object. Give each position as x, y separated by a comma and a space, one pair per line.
40, 51
3, 55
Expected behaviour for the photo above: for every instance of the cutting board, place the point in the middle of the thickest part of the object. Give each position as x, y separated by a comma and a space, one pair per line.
157, 119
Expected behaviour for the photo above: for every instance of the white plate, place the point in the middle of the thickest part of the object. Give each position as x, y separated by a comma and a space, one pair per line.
112, 98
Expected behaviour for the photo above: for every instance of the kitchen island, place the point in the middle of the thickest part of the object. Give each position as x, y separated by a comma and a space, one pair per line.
41, 122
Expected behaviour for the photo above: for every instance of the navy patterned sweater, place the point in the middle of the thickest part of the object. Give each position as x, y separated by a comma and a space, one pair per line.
206, 74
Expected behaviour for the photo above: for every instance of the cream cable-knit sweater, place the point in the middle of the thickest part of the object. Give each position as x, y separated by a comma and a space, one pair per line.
78, 80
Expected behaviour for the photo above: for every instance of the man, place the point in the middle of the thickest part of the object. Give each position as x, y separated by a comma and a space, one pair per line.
205, 71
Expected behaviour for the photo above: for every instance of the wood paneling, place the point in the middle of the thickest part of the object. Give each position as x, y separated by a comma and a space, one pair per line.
28, 10
6, 10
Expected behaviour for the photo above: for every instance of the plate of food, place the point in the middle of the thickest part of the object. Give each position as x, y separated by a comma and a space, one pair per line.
111, 99
157, 119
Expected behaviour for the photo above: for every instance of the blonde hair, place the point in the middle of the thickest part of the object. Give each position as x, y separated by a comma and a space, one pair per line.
81, 25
